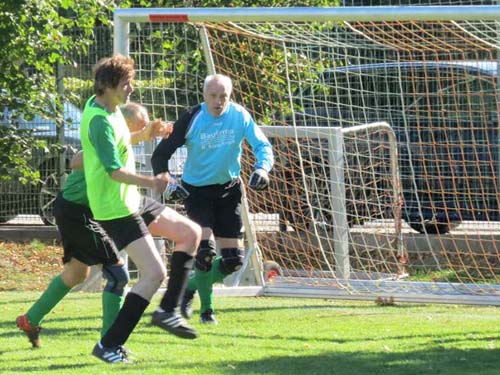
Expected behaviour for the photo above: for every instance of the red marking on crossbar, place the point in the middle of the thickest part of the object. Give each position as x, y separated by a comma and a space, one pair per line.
168, 18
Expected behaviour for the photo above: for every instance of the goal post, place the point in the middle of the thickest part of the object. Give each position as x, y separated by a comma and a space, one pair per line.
334, 155
385, 126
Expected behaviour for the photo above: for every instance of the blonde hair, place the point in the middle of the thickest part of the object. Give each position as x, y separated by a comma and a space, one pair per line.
134, 112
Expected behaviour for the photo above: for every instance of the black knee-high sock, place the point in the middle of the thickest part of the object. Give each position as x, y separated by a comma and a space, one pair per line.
180, 267
128, 317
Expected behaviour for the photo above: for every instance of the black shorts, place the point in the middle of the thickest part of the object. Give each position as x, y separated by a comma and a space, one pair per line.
125, 230
217, 207
82, 237
150, 209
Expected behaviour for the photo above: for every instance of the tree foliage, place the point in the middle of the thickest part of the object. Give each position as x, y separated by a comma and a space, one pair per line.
39, 35
36, 36
177, 38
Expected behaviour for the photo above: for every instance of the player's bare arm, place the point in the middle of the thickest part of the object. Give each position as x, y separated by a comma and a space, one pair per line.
156, 183
152, 130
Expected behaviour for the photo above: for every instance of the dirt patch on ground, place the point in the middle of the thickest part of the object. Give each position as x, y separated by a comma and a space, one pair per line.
28, 266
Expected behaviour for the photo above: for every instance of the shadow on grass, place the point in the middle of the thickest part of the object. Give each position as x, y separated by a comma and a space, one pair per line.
293, 359
443, 362
439, 361
434, 361
47, 369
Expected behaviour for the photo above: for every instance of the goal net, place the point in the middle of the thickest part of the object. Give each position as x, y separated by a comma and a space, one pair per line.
384, 123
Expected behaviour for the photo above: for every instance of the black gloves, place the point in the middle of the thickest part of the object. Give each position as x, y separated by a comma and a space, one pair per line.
175, 192
259, 180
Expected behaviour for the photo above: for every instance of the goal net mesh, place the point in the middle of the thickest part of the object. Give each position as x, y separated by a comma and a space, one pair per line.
427, 227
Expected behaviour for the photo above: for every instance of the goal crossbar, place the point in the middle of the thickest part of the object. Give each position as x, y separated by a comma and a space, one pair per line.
122, 17
310, 14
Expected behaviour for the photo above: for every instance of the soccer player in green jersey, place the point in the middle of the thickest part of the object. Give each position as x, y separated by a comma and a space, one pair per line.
112, 189
84, 241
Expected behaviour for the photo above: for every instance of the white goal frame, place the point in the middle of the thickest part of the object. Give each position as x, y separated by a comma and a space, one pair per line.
416, 292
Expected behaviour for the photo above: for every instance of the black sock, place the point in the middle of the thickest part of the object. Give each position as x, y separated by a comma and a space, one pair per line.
128, 317
180, 267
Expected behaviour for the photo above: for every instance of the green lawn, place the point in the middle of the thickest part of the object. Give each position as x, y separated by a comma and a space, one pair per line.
266, 336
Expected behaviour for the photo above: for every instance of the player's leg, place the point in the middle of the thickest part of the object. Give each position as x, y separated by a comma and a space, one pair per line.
218, 271
186, 236
200, 208
217, 275
132, 234
74, 273
167, 223
228, 231
186, 304
203, 270
95, 247
113, 295
70, 219
231, 260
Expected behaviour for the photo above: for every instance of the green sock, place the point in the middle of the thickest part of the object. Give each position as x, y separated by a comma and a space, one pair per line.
204, 284
111, 305
217, 274
56, 290
207, 279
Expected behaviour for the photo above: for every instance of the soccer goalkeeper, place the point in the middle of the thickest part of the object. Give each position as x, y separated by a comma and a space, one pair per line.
213, 133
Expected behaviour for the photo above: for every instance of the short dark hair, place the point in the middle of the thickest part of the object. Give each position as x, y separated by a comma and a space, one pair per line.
109, 71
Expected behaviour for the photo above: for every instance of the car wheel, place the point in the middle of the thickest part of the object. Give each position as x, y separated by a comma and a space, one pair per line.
271, 270
49, 188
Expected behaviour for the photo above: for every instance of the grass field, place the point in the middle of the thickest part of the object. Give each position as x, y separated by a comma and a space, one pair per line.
266, 336
271, 336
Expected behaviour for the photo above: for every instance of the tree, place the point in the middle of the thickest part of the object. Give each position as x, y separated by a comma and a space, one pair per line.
35, 39
39, 35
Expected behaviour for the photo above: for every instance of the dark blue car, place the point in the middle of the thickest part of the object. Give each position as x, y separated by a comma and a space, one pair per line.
445, 118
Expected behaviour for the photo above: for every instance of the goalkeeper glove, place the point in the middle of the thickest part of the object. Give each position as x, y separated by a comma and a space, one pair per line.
175, 192
259, 180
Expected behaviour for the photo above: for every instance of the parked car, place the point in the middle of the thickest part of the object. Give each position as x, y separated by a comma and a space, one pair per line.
18, 199
445, 117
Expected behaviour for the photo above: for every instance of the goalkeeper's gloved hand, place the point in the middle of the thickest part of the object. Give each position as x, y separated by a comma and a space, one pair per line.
259, 180
175, 192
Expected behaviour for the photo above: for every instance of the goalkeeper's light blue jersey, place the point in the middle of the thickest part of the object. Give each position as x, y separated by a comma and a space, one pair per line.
214, 145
